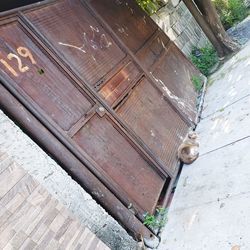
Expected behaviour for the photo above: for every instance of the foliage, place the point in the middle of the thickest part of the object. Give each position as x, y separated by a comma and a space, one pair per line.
231, 11
204, 58
197, 82
150, 6
157, 221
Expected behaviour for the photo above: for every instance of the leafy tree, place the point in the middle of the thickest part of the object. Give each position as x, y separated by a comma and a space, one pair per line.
206, 15
150, 6
230, 11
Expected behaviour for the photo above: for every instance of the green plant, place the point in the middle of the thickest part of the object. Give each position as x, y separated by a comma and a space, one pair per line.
158, 220
150, 220
197, 82
231, 11
204, 58
150, 6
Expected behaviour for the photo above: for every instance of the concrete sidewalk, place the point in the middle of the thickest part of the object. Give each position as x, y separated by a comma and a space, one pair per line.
211, 205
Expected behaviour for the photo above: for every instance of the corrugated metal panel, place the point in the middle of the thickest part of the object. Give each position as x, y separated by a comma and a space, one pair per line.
175, 72
80, 39
127, 20
100, 139
148, 114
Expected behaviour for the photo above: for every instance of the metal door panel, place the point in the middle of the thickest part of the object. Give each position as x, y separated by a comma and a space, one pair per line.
41, 80
101, 140
148, 114
74, 32
175, 72
149, 55
127, 21
119, 83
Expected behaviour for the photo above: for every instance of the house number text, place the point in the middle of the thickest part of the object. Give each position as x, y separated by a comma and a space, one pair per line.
23, 52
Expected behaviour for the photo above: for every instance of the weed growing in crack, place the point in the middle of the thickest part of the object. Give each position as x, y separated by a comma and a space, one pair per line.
156, 221
197, 82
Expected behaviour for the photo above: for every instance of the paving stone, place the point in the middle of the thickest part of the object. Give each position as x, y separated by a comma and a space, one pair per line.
9, 177
29, 218
28, 245
16, 241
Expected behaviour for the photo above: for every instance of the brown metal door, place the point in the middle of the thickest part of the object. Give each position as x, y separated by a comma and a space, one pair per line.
109, 86
120, 48
78, 119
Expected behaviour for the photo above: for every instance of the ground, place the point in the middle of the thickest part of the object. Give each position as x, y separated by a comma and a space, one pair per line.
211, 205
31, 218
241, 32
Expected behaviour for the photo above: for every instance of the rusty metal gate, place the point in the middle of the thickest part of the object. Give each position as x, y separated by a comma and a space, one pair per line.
104, 91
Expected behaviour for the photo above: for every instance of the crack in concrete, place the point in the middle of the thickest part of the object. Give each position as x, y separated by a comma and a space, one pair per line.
218, 200
226, 145
227, 106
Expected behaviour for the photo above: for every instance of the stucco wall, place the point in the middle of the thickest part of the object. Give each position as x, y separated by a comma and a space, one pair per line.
178, 23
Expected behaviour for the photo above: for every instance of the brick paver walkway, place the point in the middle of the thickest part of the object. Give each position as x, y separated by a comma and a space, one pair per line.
30, 218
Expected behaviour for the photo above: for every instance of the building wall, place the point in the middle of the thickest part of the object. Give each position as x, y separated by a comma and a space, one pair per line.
178, 23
